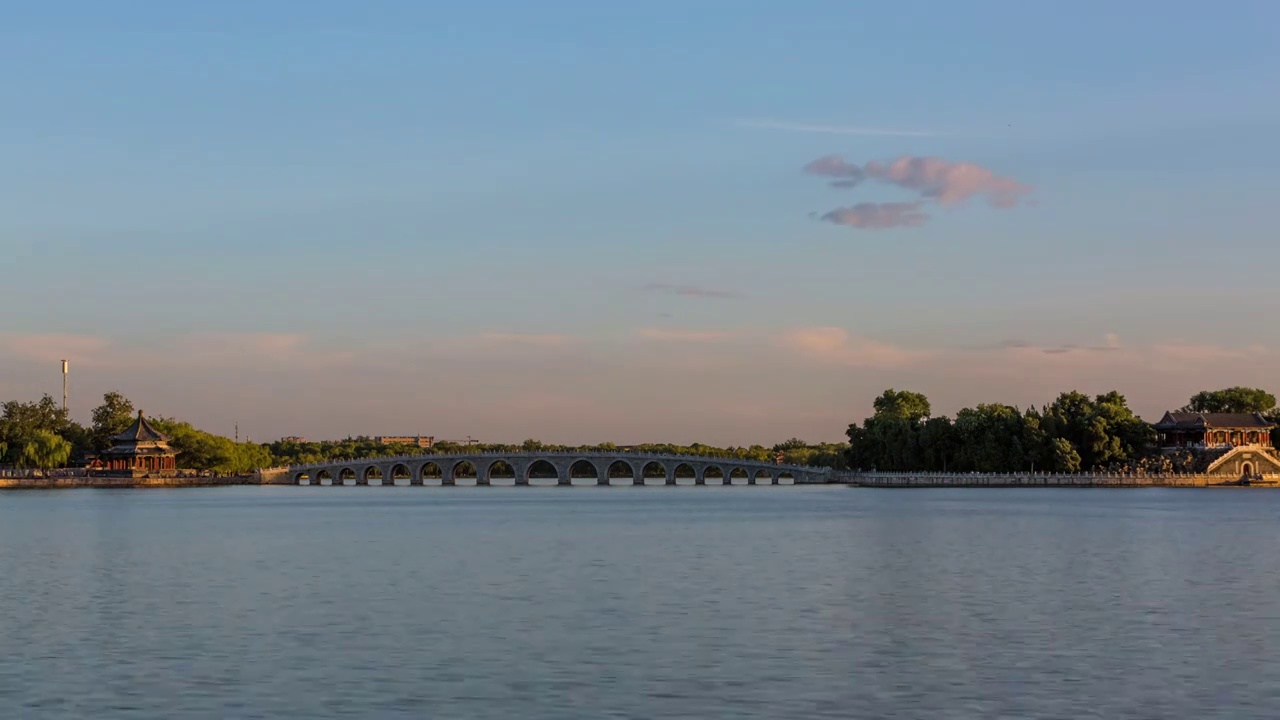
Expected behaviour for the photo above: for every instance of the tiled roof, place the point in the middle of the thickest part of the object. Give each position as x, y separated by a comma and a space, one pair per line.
141, 431
1200, 421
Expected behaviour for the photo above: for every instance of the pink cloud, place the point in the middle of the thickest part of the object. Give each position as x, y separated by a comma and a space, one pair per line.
53, 347
931, 178
220, 348
203, 350
878, 216
847, 174
1193, 353
739, 386
948, 182
837, 345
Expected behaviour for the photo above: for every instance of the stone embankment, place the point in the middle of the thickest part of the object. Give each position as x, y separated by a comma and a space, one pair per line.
52, 483
56, 479
1064, 480
30, 479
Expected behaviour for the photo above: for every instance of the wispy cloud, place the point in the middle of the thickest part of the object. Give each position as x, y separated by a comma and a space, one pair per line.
932, 179
800, 380
847, 174
836, 345
203, 350
690, 291
835, 129
878, 215
518, 340
684, 335
274, 346
948, 182
51, 347
1111, 343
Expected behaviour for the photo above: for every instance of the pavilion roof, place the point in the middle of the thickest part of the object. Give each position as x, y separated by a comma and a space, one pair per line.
1209, 421
141, 431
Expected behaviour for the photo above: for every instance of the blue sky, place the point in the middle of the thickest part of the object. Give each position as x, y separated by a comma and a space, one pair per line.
513, 219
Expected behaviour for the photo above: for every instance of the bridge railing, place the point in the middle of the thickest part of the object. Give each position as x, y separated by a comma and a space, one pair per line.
31, 473
537, 455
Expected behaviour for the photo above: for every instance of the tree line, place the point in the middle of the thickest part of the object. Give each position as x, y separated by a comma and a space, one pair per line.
793, 451
41, 435
1074, 432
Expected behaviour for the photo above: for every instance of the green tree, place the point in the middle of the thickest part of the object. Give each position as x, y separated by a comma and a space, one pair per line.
111, 418
1035, 441
939, 445
1065, 457
991, 438
197, 450
19, 422
1103, 430
902, 405
1133, 437
45, 450
1232, 400
890, 438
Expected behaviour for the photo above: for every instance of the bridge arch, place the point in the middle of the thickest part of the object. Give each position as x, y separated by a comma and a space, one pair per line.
542, 469
682, 471
738, 473
430, 473
759, 475
786, 477
500, 470
399, 471
711, 472
462, 469
344, 475
623, 470
373, 472
322, 475
585, 469
652, 469
301, 477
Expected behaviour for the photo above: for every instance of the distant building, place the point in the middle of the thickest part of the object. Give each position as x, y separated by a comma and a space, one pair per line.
139, 451
1213, 430
293, 439
422, 441
1236, 444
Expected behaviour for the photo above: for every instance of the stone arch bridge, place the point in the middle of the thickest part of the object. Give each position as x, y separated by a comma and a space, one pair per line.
562, 466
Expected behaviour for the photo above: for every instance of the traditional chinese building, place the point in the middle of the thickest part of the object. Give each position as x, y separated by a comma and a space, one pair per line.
140, 450
1236, 444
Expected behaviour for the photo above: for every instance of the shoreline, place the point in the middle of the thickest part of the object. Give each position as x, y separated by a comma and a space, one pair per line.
68, 483
908, 483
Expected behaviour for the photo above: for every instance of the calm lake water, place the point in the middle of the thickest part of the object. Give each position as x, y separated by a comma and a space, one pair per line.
650, 602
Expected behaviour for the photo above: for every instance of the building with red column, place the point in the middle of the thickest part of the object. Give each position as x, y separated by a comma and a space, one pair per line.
1237, 444
139, 451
